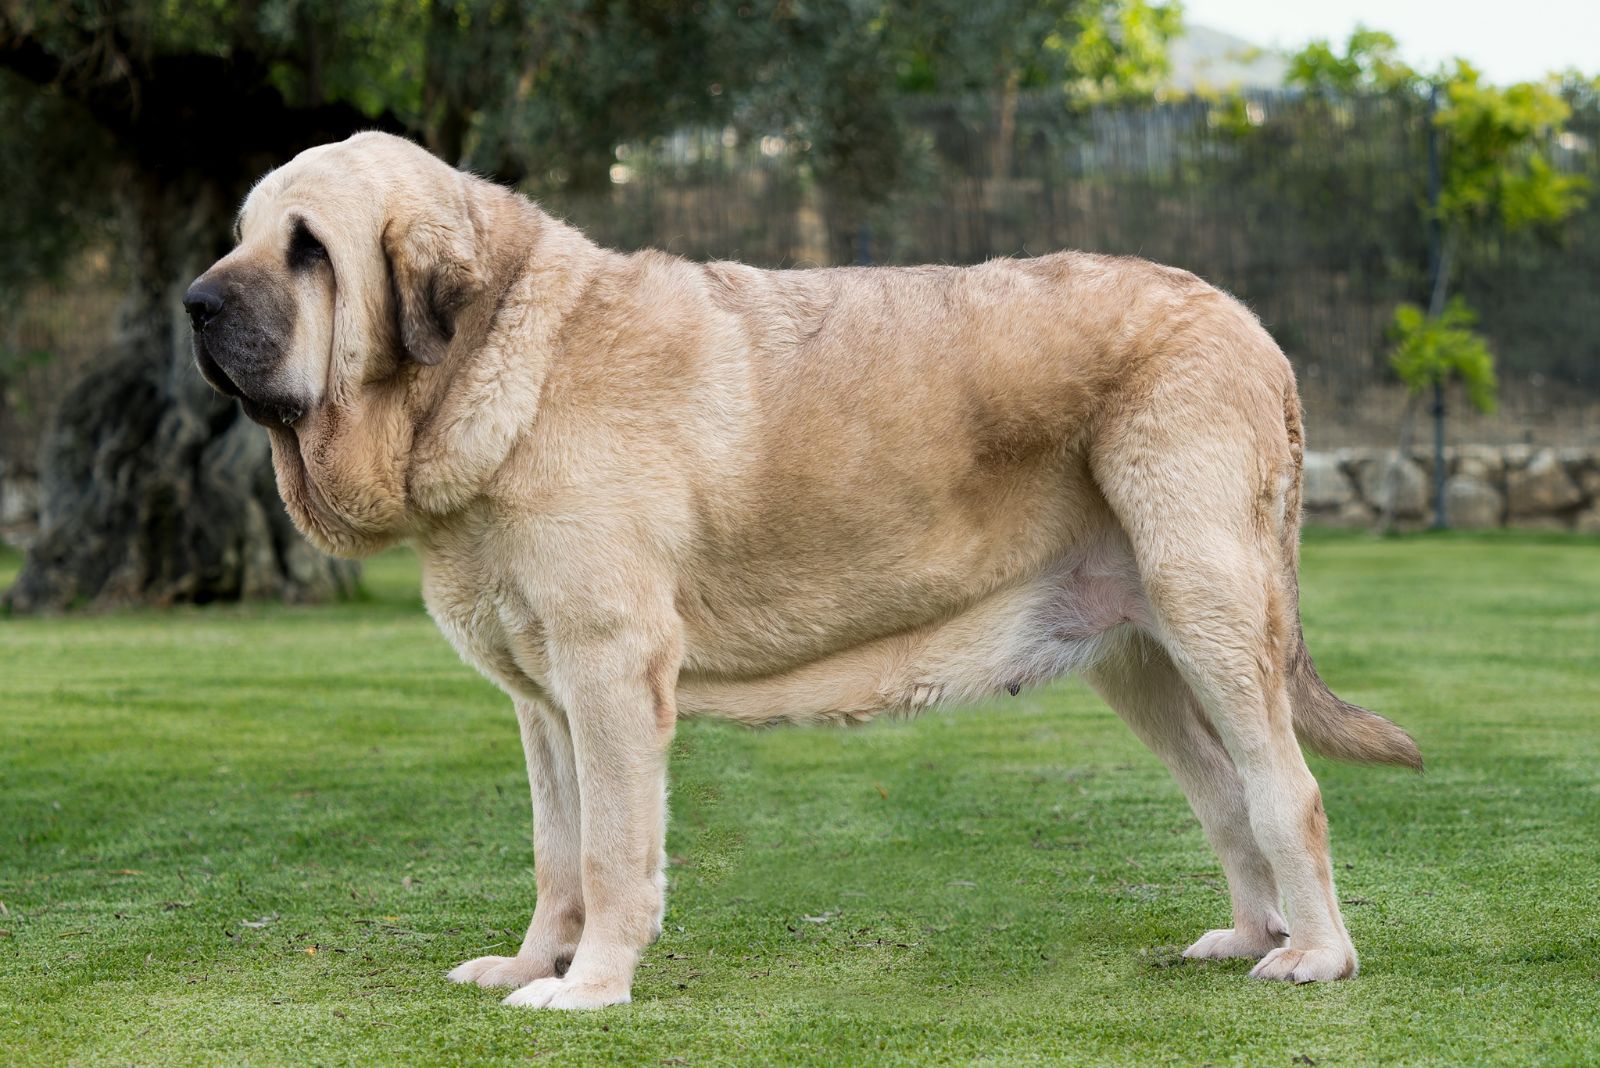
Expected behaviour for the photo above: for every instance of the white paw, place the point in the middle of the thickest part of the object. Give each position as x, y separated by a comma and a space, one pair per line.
501, 971
563, 994
1306, 965
1228, 944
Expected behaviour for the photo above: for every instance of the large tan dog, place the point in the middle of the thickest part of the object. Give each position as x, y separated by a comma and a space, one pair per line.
642, 488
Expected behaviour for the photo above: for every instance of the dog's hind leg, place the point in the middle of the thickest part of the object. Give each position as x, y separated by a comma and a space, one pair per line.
1139, 681
1203, 475
1218, 630
1215, 613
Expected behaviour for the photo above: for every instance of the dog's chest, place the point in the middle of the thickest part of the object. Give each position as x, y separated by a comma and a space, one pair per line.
480, 611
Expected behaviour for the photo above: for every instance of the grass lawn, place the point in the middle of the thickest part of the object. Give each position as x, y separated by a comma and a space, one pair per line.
261, 835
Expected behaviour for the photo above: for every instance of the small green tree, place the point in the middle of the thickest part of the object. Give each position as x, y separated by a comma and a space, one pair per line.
1435, 350
1492, 150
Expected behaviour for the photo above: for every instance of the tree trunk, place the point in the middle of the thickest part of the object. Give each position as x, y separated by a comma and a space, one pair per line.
155, 489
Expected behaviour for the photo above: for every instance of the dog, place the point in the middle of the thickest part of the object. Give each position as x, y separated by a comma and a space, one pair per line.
643, 488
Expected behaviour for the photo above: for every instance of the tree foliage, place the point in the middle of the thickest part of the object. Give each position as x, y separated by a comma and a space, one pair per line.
1370, 63
1436, 350
1092, 49
1497, 140
47, 220
1498, 170
1120, 51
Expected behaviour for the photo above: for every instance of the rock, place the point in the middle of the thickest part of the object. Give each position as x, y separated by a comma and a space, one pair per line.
1405, 479
1575, 459
1489, 486
1516, 455
1542, 488
1351, 459
1483, 462
1423, 458
1326, 487
1352, 514
1472, 504
1589, 482
1542, 522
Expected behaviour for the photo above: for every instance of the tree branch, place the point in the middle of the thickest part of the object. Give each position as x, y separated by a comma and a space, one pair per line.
190, 112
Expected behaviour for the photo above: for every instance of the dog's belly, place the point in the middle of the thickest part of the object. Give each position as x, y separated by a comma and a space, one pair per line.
1060, 620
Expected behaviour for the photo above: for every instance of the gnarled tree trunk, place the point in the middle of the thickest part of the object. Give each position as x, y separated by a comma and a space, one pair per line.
155, 489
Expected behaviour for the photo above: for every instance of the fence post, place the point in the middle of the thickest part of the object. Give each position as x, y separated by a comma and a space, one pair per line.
1436, 291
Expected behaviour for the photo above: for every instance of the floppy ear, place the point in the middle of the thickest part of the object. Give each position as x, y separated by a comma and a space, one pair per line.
433, 277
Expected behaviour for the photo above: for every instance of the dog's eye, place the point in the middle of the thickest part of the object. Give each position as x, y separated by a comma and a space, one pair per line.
304, 248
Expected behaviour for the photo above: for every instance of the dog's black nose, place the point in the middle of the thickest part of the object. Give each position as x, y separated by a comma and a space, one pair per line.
203, 302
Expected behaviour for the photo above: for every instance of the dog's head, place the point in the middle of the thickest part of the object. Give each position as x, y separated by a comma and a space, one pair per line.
349, 318
353, 260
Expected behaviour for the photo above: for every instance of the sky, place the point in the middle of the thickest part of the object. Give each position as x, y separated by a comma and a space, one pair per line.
1508, 41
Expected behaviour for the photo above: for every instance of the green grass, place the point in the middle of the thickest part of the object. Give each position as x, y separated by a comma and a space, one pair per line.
1001, 885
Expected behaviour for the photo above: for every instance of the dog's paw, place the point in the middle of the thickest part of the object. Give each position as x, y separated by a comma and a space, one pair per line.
1306, 965
564, 994
1229, 944
502, 971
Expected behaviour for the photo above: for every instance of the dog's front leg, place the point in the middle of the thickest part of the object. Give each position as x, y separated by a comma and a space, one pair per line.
618, 693
558, 913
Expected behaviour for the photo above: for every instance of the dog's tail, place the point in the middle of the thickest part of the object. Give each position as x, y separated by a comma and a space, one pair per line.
1338, 729
1324, 723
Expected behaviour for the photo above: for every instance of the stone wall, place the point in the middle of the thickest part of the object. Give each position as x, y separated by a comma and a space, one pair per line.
1486, 486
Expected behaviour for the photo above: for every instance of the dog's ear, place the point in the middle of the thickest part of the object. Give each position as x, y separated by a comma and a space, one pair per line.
432, 276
